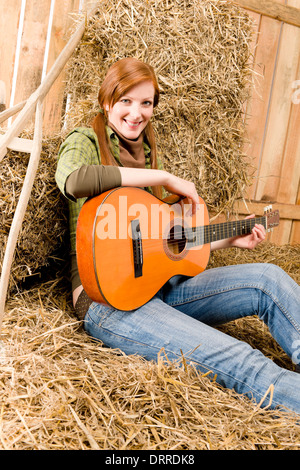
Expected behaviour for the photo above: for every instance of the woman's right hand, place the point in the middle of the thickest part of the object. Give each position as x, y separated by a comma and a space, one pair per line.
183, 187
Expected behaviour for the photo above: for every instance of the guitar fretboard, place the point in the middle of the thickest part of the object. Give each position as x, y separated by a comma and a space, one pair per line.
210, 233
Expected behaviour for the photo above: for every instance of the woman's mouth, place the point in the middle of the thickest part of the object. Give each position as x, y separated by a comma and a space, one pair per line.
131, 124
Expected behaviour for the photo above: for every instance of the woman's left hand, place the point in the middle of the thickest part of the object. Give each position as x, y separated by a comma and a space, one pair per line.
251, 240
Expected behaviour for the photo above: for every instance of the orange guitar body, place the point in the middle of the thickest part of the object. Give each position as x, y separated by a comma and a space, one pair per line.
127, 246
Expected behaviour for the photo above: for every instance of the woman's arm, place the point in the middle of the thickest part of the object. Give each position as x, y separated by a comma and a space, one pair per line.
91, 180
145, 177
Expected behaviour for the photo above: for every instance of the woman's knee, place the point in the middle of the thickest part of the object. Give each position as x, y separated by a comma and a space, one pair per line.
270, 272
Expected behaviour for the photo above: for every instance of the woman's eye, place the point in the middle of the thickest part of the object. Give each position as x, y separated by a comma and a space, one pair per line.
127, 101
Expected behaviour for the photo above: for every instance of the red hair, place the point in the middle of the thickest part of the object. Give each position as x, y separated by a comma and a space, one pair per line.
123, 75
120, 78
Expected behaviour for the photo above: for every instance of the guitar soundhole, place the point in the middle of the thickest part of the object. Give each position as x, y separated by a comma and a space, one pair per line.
176, 240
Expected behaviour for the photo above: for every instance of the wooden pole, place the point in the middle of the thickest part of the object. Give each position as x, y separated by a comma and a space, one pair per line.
21, 208
11, 111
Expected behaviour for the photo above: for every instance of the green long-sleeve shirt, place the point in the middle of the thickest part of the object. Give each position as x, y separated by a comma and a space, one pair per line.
81, 149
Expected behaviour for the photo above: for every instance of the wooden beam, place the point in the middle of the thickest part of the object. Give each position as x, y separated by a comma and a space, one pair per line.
7, 113
286, 211
285, 13
19, 144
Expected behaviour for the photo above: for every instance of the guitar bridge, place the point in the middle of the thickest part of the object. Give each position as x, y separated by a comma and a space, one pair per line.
137, 248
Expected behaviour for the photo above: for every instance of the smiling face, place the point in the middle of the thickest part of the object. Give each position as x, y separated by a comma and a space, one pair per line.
132, 112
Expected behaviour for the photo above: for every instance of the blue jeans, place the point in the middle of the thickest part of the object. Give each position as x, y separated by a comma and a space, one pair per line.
182, 316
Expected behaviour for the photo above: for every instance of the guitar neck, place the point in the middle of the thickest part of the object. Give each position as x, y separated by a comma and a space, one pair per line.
215, 232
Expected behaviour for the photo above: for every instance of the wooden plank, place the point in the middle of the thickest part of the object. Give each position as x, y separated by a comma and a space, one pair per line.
53, 105
32, 50
278, 119
9, 22
287, 211
20, 145
258, 108
290, 170
286, 13
263, 129
277, 169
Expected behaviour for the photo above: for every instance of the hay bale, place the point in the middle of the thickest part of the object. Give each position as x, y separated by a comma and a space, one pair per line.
42, 242
200, 51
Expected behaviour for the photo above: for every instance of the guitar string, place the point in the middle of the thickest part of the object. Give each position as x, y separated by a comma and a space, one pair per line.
207, 233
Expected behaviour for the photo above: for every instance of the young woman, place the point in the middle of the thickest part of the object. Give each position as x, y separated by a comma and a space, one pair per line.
120, 151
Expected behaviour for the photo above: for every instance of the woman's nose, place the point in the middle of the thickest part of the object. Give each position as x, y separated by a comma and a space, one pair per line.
135, 110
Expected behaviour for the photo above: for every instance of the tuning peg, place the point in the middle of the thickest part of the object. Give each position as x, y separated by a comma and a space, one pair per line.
268, 208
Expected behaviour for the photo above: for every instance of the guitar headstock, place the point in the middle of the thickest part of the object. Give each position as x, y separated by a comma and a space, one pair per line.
272, 218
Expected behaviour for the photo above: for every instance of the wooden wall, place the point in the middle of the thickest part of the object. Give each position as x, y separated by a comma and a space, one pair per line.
273, 114
32, 34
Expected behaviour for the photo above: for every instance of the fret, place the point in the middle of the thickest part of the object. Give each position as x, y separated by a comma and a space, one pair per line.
198, 236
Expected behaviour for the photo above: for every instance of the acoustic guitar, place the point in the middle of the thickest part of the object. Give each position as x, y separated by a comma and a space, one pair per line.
129, 243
